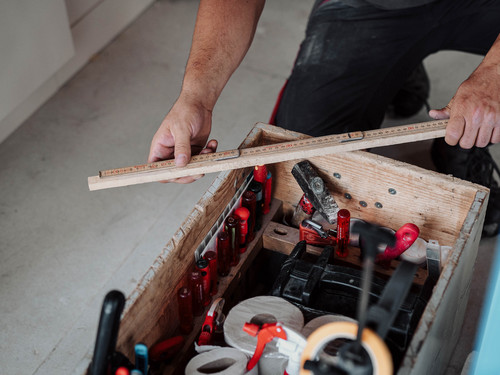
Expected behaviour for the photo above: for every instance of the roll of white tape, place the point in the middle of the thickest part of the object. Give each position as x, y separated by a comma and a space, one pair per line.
416, 253
262, 308
323, 320
222, 361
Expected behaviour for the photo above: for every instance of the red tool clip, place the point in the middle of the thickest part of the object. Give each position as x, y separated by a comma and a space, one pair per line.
314, 234
213, 320
405, 237
164, 350
265, 334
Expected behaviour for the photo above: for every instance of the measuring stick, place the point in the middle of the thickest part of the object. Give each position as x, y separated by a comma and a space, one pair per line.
248, 157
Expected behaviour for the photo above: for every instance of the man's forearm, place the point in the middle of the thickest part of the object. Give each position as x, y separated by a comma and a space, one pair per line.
223, 33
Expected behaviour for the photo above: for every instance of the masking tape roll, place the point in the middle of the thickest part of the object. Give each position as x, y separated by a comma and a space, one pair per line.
375, 347
272, 362
322, 320
222, 361
416, 253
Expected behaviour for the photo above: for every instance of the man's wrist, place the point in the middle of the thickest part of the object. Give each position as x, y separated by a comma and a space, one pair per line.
199, 95
493, 55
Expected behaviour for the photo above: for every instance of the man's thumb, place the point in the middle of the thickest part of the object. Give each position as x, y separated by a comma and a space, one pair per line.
440, 114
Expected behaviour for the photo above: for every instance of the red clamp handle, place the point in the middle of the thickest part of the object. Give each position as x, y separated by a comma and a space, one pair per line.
405, 237
265, 334
207, 330
211, 321
312, 237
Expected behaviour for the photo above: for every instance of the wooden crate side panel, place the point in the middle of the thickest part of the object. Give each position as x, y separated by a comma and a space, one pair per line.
151, 311
274, 134
439, 329
369, 179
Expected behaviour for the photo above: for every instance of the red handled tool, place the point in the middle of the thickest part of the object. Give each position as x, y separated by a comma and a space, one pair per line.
343, 222
213, 319
223, 254
260, 175
211, 256
203, 267
166, 349
249, 201
265, 334
314, 234
268, 195
185, 303
405, 237
196, 285
232, 227
243, 213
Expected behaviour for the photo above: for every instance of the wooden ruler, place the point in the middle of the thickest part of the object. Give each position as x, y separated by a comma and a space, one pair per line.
247, 157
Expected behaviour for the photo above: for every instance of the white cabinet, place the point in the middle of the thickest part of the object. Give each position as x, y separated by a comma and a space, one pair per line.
43, 43
35, 41
77, 9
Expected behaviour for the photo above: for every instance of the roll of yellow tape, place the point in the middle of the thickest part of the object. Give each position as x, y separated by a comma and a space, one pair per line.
375, 347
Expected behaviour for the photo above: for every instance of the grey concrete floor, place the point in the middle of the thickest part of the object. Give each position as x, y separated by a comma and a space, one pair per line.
63, 247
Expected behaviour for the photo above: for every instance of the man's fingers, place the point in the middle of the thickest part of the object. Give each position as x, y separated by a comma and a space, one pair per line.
182, 149
470, 131
455, 130
210, 147
186, 180
159, 152
495, 136
484, 135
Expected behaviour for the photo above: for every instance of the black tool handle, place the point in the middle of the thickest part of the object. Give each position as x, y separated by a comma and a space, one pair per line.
371, 236
107, 333
381, 316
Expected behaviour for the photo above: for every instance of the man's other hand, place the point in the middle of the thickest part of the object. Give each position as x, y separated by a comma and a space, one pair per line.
474, 111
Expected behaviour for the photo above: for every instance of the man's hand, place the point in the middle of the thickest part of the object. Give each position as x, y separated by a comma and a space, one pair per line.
474, 111
183, 132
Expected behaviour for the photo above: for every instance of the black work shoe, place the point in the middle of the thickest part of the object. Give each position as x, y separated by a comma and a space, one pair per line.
412, 97
474, 165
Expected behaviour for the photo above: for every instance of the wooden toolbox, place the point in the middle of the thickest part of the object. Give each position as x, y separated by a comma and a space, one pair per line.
376, 189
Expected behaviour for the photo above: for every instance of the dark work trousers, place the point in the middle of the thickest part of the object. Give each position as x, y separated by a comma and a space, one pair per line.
354, 60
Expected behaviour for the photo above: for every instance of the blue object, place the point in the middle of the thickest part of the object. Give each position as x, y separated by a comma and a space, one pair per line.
487, 359
136, 372
141, 358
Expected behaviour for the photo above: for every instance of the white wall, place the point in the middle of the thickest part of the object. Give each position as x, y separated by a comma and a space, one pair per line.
43, 43
77, 9
35, 41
